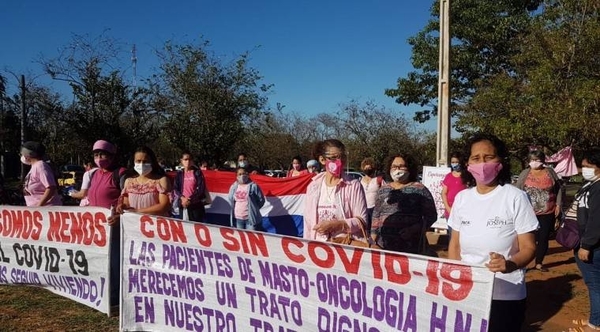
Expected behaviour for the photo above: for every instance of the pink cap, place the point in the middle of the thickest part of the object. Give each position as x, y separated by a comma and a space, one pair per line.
105, 146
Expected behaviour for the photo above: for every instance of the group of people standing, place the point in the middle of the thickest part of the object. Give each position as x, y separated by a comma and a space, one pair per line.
492, 222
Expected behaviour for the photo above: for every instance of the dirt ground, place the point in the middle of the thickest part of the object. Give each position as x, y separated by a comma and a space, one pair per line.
554, 298
558, 296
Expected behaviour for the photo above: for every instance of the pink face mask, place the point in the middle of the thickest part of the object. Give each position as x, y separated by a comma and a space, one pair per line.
296, 166
485, 173
102, 163
334, 167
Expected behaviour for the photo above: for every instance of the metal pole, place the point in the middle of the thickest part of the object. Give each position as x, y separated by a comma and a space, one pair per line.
443, 123
23, 121
2, 130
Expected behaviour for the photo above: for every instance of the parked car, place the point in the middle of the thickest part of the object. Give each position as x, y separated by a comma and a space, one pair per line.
355, 175
277, 173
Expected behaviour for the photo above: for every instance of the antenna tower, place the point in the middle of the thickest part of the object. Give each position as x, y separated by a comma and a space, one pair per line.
134, 64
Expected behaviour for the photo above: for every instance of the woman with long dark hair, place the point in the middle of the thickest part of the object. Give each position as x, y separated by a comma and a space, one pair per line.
404, 208
146, 190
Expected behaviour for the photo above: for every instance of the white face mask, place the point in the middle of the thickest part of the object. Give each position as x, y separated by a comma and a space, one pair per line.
25, 160
588, 173
399, 175
535, 164
143, 169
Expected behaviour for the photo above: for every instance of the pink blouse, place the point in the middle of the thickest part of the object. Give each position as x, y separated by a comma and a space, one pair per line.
143, 195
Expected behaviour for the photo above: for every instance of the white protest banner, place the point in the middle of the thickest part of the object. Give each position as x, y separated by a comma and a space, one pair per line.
62, 249
182, 276
432, 179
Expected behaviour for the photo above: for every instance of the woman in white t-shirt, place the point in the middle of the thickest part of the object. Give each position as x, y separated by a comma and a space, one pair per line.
493, 224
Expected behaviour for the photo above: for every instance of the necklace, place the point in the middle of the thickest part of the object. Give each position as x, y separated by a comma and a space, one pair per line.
330, 192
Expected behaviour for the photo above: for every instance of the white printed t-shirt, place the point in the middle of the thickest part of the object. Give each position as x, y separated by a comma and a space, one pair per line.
490, 223
327, 208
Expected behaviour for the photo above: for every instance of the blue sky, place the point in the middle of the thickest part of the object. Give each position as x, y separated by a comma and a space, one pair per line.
316, 53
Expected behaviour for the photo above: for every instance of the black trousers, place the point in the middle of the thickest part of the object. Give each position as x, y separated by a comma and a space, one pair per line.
507, 316
196, 213
542, 236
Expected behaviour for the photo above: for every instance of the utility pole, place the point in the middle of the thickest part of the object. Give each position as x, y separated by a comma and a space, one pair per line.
443, 124
23, 121
2, 129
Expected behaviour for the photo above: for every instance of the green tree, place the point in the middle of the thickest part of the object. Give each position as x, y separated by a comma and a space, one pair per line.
104, 106
485, 37
553, 89
207, 102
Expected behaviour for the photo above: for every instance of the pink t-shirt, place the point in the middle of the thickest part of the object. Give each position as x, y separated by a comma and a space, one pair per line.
103, 192
37, 180
454, 185
189, 183
241, 202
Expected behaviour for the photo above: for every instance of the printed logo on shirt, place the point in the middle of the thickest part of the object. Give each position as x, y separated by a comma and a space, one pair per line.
499, 222
465, 222
327, 212
241, 195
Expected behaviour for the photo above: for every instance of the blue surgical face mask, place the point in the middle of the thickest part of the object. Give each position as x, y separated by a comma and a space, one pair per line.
455, 167
242, 163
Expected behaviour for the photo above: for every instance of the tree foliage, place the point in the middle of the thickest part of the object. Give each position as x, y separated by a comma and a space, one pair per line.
196, 101
524, 70
104, 106
553, 89
207, 102
366, 129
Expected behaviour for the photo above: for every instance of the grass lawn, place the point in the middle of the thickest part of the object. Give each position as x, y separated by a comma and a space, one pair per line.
25, 308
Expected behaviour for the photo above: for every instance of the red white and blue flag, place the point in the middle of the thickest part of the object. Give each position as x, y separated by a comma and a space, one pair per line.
283, 209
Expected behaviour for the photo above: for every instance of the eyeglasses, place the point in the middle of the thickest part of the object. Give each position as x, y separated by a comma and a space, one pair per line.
333, 157
401, 166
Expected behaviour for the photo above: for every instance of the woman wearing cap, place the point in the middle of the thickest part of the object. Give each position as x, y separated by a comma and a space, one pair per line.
105, 182
104, 191
40, 186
